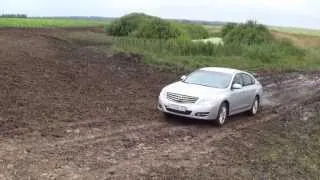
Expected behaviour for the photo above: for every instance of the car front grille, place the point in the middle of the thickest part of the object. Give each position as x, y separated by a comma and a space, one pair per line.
181, 98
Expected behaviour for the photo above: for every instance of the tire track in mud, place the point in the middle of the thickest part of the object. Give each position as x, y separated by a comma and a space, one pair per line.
160, 142
162, 125
212, 135
285, 86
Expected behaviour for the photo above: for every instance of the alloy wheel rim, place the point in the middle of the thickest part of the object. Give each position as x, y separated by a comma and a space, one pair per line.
255, 107
223, 115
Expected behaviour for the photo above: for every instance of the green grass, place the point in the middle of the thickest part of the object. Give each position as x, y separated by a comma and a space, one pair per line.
192, 62
88, 38
190, 55
50, 22
171, 59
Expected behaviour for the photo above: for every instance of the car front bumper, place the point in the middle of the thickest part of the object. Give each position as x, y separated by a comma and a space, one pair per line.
195, 111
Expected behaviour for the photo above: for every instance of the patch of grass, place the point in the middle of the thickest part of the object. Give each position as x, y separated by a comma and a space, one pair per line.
300, 40
250, 47
192, 62
88, 38
189, 55
50, 22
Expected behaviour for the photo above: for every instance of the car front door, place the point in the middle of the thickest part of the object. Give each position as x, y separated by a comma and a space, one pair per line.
248, 90
237, 96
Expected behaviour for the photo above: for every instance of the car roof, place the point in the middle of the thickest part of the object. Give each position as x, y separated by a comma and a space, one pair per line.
222, 69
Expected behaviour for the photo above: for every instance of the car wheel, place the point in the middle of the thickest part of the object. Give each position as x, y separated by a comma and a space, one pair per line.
255, 107
222, 114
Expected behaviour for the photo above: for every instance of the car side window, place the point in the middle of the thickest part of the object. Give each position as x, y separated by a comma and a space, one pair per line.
247, 80
237, 79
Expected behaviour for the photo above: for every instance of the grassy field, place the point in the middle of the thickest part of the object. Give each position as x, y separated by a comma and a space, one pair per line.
50, 22
256, 58
193, 55
188, 55
170, 57
290, 30
302, 31
310, 62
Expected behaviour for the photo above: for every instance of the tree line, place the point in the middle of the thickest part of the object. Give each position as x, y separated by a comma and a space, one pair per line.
13, 16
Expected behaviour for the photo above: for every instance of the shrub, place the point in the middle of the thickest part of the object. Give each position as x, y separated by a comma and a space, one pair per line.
158, 29
145, 26
194, 31
227, 28
249, 33
127, 24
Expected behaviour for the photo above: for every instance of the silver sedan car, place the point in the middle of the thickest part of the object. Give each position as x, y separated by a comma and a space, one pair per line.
212, 93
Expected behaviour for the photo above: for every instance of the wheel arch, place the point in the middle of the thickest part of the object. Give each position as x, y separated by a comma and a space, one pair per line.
259, 98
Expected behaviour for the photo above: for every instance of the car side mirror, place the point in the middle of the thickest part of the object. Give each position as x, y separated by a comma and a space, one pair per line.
236, 86
184, 77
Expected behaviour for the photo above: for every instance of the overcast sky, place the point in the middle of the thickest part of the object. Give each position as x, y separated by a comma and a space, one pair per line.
300, 13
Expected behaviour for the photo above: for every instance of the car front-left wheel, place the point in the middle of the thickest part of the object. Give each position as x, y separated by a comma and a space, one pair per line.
222, 114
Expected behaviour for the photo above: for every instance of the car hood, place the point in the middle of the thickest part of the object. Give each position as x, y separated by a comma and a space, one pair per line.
194, 90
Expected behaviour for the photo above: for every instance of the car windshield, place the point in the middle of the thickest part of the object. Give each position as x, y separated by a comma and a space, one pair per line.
209, 79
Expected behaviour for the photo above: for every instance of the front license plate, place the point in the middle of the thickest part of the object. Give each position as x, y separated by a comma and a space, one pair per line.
177, 107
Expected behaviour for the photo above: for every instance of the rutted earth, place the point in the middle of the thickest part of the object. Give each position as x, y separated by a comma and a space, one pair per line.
80, 112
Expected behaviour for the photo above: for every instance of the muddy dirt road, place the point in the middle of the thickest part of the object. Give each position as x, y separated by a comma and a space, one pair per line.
80, 112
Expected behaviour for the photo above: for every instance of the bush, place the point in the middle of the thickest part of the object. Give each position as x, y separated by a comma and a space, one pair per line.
257, 43
227, 28
250, 33
158, 29
127, 24
194, 31
145, 26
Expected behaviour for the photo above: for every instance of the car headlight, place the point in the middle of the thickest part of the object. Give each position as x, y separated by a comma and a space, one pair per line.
162, 93
208, 102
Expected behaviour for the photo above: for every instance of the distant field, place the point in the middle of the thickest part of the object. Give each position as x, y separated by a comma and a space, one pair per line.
213, 28
292, 30
303, 31
50, 22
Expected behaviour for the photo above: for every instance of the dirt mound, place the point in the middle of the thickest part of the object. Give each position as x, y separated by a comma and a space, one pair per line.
69, 111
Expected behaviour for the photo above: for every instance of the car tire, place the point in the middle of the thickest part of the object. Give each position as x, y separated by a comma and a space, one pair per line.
254, 107
222, 115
